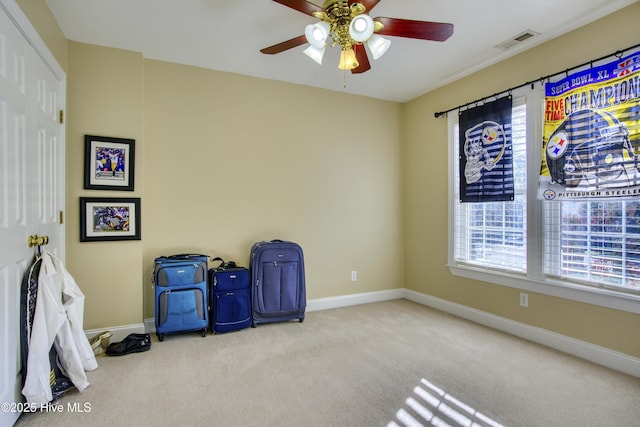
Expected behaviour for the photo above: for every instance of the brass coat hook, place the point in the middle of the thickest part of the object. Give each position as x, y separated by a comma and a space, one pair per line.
36, 240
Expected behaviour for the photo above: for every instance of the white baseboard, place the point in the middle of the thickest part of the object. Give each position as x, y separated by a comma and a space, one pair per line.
353, 299
326, 303
584, 350
119, 332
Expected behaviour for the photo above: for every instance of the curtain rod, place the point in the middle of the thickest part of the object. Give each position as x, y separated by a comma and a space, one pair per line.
618, 53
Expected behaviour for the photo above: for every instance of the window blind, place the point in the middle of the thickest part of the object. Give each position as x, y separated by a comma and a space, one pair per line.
493, 234
594, 242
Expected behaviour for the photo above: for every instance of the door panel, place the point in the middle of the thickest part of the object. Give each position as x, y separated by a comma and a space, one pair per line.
31, 176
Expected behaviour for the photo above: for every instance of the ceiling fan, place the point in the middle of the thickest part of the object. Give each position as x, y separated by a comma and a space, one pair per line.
346, 24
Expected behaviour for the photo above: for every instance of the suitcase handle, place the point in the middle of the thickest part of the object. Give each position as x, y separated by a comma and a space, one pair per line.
185, 256
179, 256
223, 265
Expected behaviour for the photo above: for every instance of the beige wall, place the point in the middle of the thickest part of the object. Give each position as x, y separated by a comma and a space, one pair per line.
224, 160
426, 190
104, 97
45, 24
231, 160
355, 197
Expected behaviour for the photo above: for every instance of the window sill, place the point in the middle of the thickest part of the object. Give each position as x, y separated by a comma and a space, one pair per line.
570, 291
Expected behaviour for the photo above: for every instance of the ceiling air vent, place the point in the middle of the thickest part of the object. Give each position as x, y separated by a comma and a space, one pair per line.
525, 35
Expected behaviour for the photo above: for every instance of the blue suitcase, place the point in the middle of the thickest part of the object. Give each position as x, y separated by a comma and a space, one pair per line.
278, 290
230, 297
180, 283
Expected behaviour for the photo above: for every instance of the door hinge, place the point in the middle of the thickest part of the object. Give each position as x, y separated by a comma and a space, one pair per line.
61, 217
61, 116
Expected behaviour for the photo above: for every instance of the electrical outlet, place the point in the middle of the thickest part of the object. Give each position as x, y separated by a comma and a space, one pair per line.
524, 300
354, 276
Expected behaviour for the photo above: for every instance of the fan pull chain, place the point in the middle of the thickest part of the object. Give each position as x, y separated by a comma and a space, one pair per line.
345, 79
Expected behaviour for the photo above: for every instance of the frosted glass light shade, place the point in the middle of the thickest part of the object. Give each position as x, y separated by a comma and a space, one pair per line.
361, 28
348, 60
317, 34
315, 53
378, 45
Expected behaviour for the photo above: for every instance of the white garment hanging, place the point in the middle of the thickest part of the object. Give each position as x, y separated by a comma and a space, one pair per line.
58, 320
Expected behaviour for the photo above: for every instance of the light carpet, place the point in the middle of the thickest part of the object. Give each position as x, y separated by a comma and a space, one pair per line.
380, 364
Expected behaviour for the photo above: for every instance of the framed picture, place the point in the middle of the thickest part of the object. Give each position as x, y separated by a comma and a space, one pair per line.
110, 218
108, 163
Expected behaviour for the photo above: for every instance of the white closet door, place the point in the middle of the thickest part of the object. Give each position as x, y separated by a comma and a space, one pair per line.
31, 178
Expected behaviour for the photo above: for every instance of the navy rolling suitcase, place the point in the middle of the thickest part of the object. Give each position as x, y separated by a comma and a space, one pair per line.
278, 290
230, 297
180, 283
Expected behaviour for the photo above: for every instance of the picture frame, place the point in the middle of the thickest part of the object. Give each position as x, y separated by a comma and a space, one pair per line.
109, 219
109, 163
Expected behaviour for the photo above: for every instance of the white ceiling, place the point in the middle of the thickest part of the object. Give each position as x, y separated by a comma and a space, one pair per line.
227, 35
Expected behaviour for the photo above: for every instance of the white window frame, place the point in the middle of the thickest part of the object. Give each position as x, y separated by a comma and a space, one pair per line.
534, 279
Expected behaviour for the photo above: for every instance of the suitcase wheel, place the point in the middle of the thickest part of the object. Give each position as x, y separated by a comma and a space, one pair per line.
301, 319
204, 332
160, 337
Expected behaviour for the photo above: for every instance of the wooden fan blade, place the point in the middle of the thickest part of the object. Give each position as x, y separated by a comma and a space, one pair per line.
424, 30
286, 45
368, 4
363, 59
301, 6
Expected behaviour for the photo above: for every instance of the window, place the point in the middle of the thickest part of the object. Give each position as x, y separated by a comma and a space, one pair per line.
594, 242
494, 234
586, 250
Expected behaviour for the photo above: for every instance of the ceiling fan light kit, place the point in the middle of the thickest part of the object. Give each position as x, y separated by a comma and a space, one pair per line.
345, 23
341, 24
